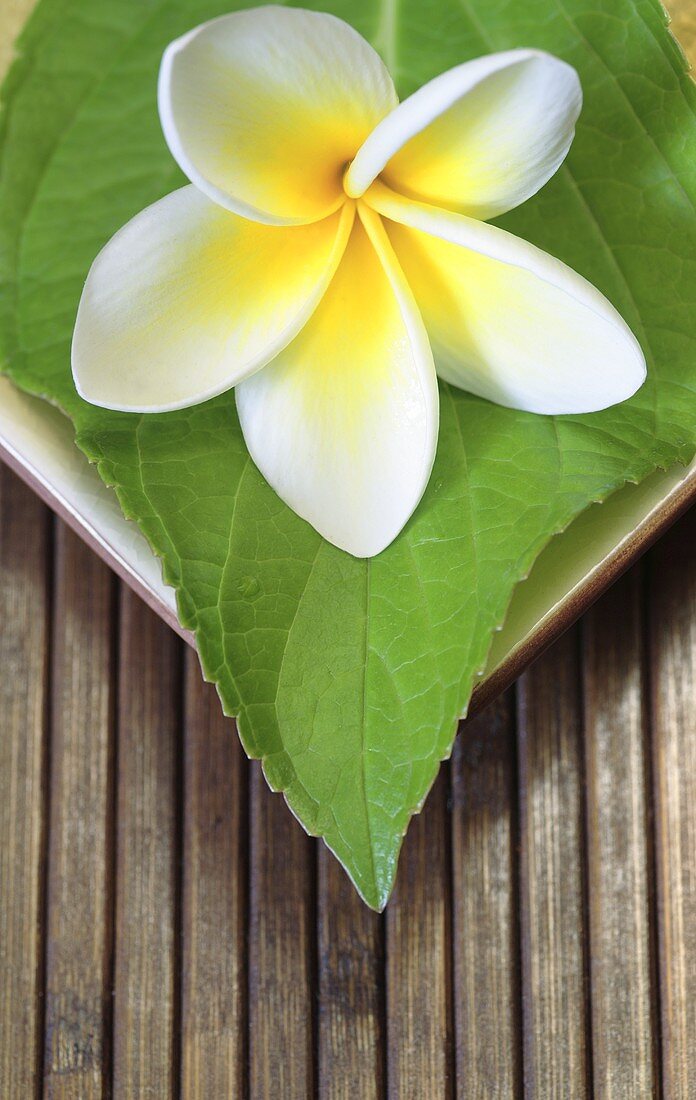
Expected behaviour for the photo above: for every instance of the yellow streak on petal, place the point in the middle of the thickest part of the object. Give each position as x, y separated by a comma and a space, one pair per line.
479, 138
189, 298
263, 109
515, 326
343, 423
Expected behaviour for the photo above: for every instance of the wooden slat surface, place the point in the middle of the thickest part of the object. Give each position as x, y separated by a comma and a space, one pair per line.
24, 688
147, 855
620, 857
281, 945
352, 1022
167, 929
80, 879
556, 1055
672, 647
418, 959
215, 897
486, 949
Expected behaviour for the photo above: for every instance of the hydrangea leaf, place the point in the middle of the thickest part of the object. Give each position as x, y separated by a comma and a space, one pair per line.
348, 677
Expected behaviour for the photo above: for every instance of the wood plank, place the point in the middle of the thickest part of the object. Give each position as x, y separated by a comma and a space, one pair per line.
556, 1062
214, 977
419, 959
672, 635
619, 854
485, 919
350, 987
281, 949
24, 612
148, 753
79, 926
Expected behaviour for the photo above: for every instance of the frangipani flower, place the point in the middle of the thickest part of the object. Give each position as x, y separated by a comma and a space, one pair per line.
331, 255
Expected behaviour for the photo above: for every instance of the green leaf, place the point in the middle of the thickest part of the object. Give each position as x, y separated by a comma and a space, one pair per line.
347, 676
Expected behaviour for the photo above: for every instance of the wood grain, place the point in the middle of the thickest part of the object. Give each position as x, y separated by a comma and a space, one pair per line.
279, 982
24, 690
213, 950
672, 639
282, 950
351, 1038
485, 920
552, 893
147, 855
619, 851
80, 850
419, 959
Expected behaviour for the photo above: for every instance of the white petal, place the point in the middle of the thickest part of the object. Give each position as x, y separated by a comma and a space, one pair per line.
480, 138
506, 320
343, 424
188, 298
263, 109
